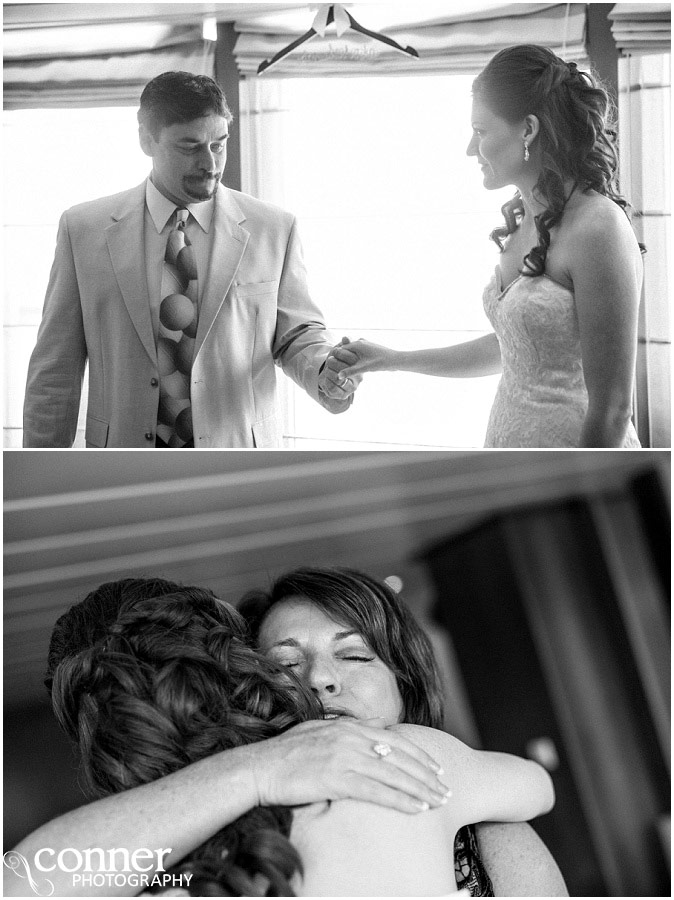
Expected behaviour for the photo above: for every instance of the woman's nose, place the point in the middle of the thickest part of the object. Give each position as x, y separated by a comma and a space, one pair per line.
323, 679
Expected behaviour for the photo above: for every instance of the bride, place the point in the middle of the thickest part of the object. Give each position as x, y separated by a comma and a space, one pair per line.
171, 680
564, 299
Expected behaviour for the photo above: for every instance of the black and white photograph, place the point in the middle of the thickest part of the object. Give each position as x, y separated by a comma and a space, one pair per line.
337, 449
317, 674
406, 225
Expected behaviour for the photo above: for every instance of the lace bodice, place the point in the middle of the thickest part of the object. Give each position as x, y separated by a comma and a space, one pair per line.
541, 399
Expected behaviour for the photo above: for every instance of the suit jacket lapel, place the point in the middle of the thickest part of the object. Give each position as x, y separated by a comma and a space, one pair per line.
229, 244
125, 243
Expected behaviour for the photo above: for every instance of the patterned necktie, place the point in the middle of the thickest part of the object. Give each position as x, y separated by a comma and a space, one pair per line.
178, 315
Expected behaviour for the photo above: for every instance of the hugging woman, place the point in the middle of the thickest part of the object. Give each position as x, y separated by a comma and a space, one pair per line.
149, 677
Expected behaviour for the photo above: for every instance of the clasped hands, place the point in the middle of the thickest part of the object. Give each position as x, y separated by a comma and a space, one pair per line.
344, 368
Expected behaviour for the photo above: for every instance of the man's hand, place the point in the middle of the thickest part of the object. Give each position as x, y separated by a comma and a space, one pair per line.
334, 759
330, 380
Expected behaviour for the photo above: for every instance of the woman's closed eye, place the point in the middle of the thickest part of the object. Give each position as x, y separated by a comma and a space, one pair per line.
347, 657
359, 652
288, 661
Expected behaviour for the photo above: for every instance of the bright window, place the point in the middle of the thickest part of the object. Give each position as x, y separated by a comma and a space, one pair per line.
393, 218
395, 224
54, 159
645, 140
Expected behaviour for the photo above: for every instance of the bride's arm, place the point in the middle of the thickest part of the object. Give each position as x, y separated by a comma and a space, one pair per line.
487, 786
481, 356
607, 274
500, 787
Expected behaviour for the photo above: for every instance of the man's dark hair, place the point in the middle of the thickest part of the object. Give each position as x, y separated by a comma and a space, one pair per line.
180, 97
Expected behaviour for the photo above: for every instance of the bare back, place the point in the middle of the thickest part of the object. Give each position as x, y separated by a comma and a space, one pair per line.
352, 848
357, 849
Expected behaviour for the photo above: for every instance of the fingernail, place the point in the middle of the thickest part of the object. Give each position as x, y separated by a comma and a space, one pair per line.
422, 805
436, 768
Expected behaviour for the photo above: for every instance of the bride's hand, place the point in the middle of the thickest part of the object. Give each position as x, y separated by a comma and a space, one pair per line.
361, 356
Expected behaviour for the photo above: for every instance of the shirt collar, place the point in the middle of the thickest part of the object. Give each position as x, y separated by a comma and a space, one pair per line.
161, 208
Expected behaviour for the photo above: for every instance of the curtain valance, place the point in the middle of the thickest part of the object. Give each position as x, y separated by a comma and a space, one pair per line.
455, 42
96, 65
642, 27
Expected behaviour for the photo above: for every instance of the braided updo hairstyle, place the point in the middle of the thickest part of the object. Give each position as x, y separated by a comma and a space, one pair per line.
576, 140
147, 676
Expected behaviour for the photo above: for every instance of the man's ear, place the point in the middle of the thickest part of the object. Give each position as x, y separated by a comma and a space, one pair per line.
146, 140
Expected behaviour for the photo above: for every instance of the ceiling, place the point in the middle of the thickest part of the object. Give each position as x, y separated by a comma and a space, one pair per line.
54, 30
234, 520
291, 15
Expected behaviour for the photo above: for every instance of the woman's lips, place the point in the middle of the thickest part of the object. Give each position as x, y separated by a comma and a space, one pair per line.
331, 713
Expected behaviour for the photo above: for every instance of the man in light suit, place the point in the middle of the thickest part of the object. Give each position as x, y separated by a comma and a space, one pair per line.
102, 301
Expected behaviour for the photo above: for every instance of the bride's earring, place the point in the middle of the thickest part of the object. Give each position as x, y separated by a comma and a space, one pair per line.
526, 152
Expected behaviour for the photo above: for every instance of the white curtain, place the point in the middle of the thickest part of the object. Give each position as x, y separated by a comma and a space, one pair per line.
456, 42
642, 32
642, 27
92, 65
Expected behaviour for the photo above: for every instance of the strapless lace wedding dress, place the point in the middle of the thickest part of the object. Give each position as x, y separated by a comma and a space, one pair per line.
541, 399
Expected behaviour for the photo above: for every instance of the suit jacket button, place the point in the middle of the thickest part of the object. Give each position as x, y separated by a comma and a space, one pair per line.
154, 382
149, 436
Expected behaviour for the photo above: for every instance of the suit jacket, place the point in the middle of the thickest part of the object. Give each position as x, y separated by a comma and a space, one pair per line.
255, 312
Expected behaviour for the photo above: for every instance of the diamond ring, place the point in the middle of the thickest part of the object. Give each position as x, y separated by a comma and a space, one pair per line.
382, 750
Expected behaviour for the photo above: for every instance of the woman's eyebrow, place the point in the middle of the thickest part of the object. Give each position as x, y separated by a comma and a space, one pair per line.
286, 642
342, 635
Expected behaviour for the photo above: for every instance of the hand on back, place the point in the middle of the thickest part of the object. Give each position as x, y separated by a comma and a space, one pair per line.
335, 759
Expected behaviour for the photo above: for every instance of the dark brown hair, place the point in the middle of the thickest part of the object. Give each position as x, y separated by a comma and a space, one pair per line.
376, 612
576, 139
180, 97
147, 676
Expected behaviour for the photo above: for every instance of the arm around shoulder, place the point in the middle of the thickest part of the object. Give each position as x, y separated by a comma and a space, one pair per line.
507, 788
486, 785
174, 814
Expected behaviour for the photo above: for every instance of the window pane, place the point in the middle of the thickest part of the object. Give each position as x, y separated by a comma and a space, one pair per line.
645, 129
91, 153
395, 224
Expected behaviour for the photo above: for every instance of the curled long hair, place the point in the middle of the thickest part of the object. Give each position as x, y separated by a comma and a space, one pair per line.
147, 676
375, 611
576, 140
